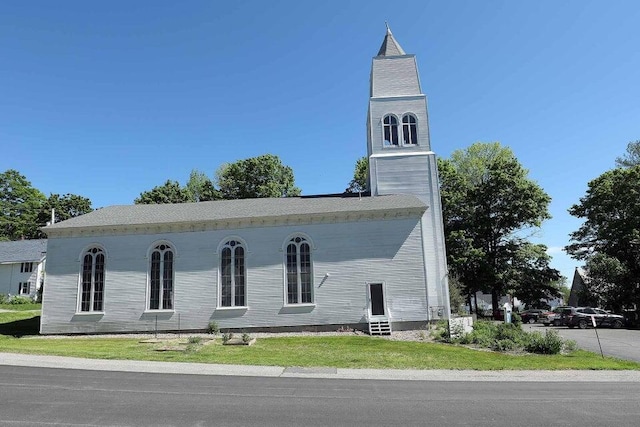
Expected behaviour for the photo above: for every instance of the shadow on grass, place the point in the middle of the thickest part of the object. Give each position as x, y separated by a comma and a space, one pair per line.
21, 328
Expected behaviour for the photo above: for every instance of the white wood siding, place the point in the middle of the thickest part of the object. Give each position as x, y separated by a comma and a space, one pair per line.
394, 76
417, 174
11, 277
351, 253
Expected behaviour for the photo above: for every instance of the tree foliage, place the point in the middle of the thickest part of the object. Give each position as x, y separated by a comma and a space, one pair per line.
359, 182
256, 177
169, 192
631, 157
20, 204
488, 201
200, 188
609, 238
64, 207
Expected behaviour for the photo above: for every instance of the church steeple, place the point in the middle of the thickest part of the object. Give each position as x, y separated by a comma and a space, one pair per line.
390, 47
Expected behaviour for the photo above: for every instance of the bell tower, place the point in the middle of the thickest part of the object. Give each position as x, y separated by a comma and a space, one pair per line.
400, 156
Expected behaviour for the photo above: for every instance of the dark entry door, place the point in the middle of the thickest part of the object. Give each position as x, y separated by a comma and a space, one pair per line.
377, 299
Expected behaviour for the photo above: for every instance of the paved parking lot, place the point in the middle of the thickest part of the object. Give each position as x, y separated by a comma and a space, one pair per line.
620, 343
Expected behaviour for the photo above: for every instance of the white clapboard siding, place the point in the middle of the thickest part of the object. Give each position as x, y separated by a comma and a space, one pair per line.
345, 257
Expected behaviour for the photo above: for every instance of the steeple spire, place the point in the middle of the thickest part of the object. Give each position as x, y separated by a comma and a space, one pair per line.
390, 47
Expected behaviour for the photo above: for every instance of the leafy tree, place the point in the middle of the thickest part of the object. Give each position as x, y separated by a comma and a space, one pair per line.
609, 239
65, 207
170, 192
359, 182
631, 157
19, 207
200, 188
262, 176
488, 201
532, 280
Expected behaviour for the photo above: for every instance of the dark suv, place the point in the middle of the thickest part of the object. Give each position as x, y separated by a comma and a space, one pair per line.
583, 317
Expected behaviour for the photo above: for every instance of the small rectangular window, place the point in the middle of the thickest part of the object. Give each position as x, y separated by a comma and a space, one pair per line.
25, 288
26, 267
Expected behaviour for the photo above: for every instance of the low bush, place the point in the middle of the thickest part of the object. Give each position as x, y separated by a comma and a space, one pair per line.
194, 340
509, 337
549, 343
226, 337
213, 328
17, 300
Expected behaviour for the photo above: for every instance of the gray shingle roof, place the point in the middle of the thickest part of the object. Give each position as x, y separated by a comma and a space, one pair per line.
390, 47
22, 250
128, 215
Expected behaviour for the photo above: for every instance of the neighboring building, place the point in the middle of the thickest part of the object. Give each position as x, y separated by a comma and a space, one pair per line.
22, 267
376, 260
577, 296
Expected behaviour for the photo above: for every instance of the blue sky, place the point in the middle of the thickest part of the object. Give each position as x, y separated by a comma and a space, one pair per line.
109, 99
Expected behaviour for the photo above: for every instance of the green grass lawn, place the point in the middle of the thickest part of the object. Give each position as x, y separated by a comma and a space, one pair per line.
21, 307
338, 351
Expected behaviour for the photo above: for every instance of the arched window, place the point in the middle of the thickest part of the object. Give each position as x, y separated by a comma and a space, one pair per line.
299, 271
409, 130
92, 280
161, 278
232, 275
390, 129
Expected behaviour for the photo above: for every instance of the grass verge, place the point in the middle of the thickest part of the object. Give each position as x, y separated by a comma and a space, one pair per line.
337, 351
21, 307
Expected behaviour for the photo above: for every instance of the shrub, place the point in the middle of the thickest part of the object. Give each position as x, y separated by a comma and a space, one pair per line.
503, 345
226, 337
549, 343
516, 319
195, 340
20, 300
246, 338
3, 299
213, 328
441, 331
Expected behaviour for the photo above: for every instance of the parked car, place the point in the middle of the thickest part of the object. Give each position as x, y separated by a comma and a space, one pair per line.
582, 318
553, 317
532, 315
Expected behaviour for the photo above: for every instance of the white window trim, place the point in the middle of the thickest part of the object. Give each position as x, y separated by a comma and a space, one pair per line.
150, 250
398, 128
221, 246
312, 249
409, 113
104, 280
20, 288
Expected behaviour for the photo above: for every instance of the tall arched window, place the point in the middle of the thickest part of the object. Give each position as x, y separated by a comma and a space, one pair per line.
299, 271
161, 278
409, 130
390, 130
92, 282
232, 275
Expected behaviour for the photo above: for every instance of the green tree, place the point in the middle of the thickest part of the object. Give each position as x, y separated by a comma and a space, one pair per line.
631, 157
256, 177
531, 278
20, 204
65, 207
488, 201
609, 238
169, 192
200, 188
359, 182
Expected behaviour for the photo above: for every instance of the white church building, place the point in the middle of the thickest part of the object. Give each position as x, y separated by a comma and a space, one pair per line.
374, 262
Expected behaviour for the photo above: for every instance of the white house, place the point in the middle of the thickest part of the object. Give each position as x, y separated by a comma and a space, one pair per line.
372, 261
22, 267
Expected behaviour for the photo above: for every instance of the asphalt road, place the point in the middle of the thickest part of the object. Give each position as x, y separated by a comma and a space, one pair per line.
44, 397
620, 343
